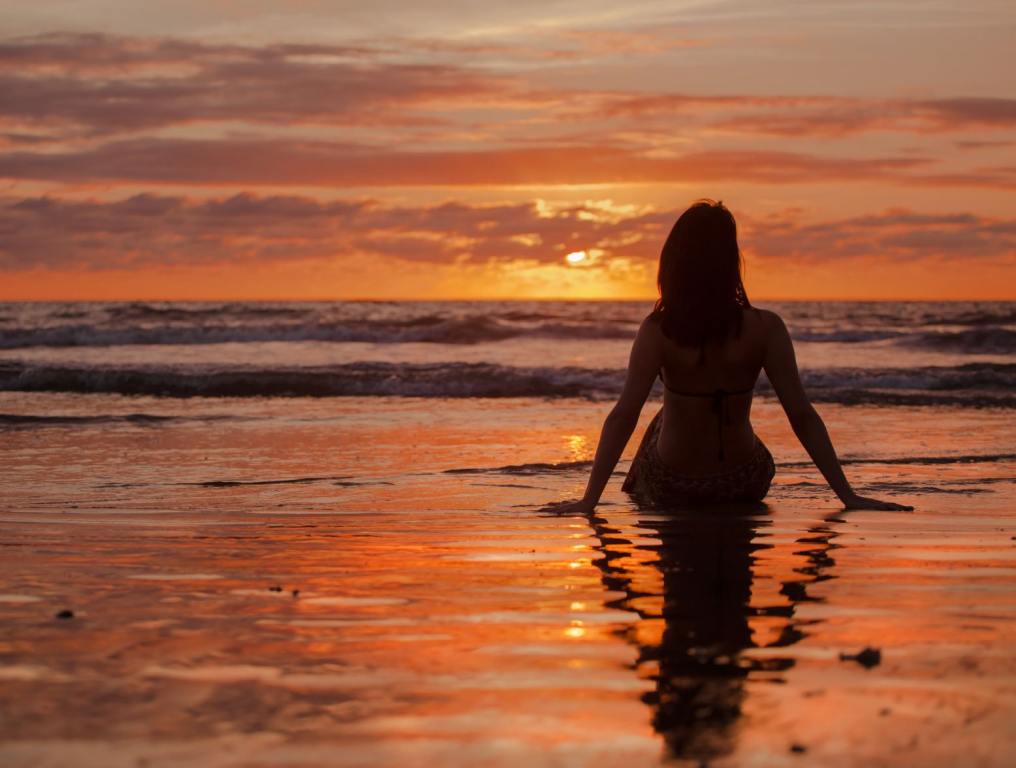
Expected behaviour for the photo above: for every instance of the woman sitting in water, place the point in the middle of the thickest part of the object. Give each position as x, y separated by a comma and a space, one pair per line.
707, 344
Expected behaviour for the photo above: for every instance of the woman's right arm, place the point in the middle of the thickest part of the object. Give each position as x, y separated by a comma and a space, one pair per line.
781, 369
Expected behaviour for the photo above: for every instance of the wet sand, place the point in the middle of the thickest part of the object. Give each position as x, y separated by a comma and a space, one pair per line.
305, 583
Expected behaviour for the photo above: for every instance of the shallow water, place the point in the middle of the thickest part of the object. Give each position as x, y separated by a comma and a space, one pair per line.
441, 619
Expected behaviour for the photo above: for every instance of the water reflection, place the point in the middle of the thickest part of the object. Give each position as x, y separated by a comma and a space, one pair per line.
699, 584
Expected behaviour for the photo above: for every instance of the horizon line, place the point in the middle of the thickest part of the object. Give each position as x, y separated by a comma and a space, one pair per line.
307, 300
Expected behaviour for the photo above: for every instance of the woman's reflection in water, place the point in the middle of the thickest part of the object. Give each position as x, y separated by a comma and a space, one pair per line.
692, 589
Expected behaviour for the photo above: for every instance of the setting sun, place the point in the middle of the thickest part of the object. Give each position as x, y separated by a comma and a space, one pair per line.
576, 257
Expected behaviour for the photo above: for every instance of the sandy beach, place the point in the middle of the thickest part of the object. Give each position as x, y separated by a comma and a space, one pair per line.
359, 582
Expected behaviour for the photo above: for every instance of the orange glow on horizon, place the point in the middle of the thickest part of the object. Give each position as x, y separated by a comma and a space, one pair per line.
277, 283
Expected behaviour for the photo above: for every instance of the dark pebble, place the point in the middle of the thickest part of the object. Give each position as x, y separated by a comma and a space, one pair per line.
868, 658
276, 588
65, 614
884, 711
296, 593
799, 748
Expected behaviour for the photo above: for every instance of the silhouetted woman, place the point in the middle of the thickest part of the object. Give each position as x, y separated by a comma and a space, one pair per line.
708, 344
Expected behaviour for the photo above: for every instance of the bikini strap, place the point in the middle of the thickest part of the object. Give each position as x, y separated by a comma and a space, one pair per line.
705, 394
719, 406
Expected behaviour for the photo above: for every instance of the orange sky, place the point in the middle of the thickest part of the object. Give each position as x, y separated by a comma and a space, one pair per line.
327, 150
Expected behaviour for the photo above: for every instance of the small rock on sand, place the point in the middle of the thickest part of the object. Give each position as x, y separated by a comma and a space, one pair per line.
868, 658
66, 613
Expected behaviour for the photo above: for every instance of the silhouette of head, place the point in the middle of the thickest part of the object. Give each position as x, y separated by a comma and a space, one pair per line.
701, 290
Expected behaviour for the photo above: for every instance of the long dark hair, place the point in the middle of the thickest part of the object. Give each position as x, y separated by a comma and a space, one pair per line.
701, 290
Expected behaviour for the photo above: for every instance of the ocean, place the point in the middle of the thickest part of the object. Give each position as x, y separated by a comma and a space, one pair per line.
880, 353
309, 533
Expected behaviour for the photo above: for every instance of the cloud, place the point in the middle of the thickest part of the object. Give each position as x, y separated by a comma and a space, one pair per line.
811, 116
536, 44
643, 41
985, 144
841, 117
895, 235
970, 111
96, 85
146, 230
78, 86
157, 230
277, 162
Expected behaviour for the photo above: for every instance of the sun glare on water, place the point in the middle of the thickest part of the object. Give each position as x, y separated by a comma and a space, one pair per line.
575, 257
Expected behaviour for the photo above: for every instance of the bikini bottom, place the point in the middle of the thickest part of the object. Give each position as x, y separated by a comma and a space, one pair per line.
652, 481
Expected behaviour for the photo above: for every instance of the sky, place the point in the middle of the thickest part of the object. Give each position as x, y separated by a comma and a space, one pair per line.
228, 149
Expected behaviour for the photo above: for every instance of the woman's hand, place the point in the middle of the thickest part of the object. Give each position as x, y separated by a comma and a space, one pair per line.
855, 501
580, 507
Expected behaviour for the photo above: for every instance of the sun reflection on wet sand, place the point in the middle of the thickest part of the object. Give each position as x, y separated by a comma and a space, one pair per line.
576, 630
579, 447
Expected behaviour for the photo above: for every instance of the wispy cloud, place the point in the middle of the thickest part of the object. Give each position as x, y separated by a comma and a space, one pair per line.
895, 235
95, 85
153, 229
814, 116
287, 163
146, 230
73, 86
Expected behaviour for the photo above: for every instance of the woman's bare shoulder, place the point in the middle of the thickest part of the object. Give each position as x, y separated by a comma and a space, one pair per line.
651, 328
767, 320
653, 322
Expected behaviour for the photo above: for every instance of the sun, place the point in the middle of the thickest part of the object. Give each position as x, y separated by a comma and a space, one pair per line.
576, 257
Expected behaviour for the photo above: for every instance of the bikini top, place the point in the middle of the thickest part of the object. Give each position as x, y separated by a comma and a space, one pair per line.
719, 397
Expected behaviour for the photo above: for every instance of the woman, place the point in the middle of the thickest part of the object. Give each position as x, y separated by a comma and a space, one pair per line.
708, 345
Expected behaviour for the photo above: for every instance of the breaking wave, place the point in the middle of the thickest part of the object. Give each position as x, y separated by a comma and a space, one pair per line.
428, 329
971, 384
966, 327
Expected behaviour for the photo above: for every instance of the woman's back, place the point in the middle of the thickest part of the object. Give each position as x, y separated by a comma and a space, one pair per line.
700, 447
706, 425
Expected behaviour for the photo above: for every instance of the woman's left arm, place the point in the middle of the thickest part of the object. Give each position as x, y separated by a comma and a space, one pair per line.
643, 368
